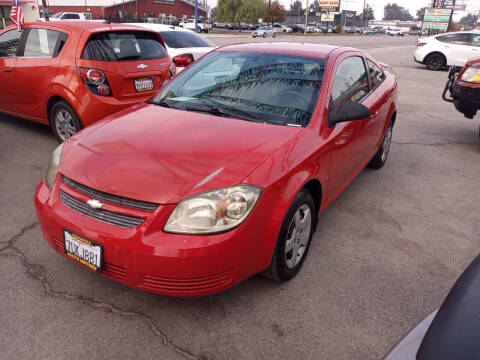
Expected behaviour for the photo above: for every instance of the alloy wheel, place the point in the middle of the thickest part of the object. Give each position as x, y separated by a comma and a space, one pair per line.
298, 236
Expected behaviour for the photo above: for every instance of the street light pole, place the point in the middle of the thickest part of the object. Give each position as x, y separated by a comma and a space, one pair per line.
306, 18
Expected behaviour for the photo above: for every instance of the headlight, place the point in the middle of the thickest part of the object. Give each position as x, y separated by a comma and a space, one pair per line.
53, 165
213, 211
472, 74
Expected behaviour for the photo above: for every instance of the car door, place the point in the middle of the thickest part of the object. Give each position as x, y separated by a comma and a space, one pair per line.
456, 47
352, 142
9, 46
475, 48
37, 65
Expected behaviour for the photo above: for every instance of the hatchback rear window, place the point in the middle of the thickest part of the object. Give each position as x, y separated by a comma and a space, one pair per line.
184, 39
123, 46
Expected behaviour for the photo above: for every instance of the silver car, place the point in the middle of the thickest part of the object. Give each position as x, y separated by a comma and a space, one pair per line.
264, 31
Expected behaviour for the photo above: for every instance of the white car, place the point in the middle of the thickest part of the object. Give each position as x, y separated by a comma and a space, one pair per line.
202, 25
282, 28
456, 48
264, 31
180, 41
394, 32
70, 16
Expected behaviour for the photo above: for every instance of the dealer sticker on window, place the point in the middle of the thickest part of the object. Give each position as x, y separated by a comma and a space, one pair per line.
82, 250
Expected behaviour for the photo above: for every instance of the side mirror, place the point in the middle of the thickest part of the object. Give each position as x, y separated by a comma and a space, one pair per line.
348, 111
183, 60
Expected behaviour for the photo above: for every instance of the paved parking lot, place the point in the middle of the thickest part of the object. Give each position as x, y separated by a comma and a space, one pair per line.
384, 256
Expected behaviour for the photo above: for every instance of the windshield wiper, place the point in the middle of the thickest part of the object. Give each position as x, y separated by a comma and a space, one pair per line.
227, 112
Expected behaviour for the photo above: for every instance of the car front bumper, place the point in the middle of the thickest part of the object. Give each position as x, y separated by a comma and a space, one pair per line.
147, 258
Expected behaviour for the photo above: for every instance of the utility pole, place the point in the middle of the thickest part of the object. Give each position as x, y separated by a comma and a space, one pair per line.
306, 18
45, 13
196, 15
363, 12
451, 16
269, 21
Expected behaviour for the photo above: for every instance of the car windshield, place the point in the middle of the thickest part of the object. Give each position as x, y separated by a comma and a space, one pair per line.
261, 87
262, 28
184, 39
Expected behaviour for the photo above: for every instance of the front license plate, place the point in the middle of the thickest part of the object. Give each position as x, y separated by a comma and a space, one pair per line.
84, 251
144, 84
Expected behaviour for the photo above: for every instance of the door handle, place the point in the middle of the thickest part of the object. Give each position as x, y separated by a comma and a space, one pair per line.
7, 69
474, 49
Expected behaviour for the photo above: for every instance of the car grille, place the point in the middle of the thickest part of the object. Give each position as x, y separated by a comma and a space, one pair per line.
113, 199
162, 284
105, 216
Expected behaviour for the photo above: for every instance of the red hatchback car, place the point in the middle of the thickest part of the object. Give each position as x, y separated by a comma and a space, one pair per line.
70, 74
224, 172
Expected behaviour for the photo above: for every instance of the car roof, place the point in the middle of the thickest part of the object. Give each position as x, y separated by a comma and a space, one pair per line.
89, 26
159, 27
299, 49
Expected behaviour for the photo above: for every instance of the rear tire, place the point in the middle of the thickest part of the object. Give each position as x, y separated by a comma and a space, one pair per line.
274, 35
294, 239
264, 35
64, 121
381, 156
435, 62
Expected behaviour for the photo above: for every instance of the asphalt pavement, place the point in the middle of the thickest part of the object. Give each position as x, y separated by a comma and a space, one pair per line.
384, 256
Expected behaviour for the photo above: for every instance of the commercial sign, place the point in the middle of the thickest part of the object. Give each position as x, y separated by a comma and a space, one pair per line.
329, 5
449, 4
436, 19
328, 17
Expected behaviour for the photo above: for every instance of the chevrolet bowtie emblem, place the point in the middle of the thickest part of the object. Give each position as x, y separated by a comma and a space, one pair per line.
94, 204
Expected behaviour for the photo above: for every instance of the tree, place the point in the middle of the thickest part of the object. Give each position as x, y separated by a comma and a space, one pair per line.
228, 11
296, 6
396, 12
368, 14
252, 10
420, 14
469, 20
213, 13
277, 12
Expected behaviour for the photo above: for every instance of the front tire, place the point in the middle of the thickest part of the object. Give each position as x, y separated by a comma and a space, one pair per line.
381, 156
64, 121
435, 62
274, 35
294, 239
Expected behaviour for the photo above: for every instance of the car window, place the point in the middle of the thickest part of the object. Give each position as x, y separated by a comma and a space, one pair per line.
184, 39
123, 46
351, 83
41, 43
71, 17
57, 15
376, 74
9, 42
272, 88
460, 39
475, 40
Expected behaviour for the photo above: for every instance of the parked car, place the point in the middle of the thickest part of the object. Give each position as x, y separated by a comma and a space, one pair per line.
295, 28
82, 71
439, 51
264, 31
394, 32
450, 332
224, 172
464, 89
202, 25
368, 31
282, 28
183, 46
71, 16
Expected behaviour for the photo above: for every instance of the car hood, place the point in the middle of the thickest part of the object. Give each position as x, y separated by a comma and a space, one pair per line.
163, 155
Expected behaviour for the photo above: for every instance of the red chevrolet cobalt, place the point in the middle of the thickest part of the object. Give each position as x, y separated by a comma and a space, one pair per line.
224, 173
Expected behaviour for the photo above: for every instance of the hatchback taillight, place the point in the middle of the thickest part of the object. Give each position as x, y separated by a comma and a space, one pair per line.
421, 44
95, 80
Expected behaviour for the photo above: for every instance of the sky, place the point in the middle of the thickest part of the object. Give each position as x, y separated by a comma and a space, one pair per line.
378, 5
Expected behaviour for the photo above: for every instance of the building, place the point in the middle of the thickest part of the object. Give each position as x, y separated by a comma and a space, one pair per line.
130, 9
29, 8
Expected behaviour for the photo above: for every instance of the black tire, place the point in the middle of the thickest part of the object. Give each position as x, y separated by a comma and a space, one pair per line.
63, 125
381, 155
274, 35
264, 35
279, 269
435, 62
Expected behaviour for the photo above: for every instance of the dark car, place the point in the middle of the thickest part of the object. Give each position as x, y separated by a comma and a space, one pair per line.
453, 331
464, 88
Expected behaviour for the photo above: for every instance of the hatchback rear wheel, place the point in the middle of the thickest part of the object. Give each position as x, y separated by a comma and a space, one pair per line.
64, 121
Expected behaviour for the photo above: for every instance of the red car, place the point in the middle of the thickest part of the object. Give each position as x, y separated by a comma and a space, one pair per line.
69, 74
224, 172
464, 88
